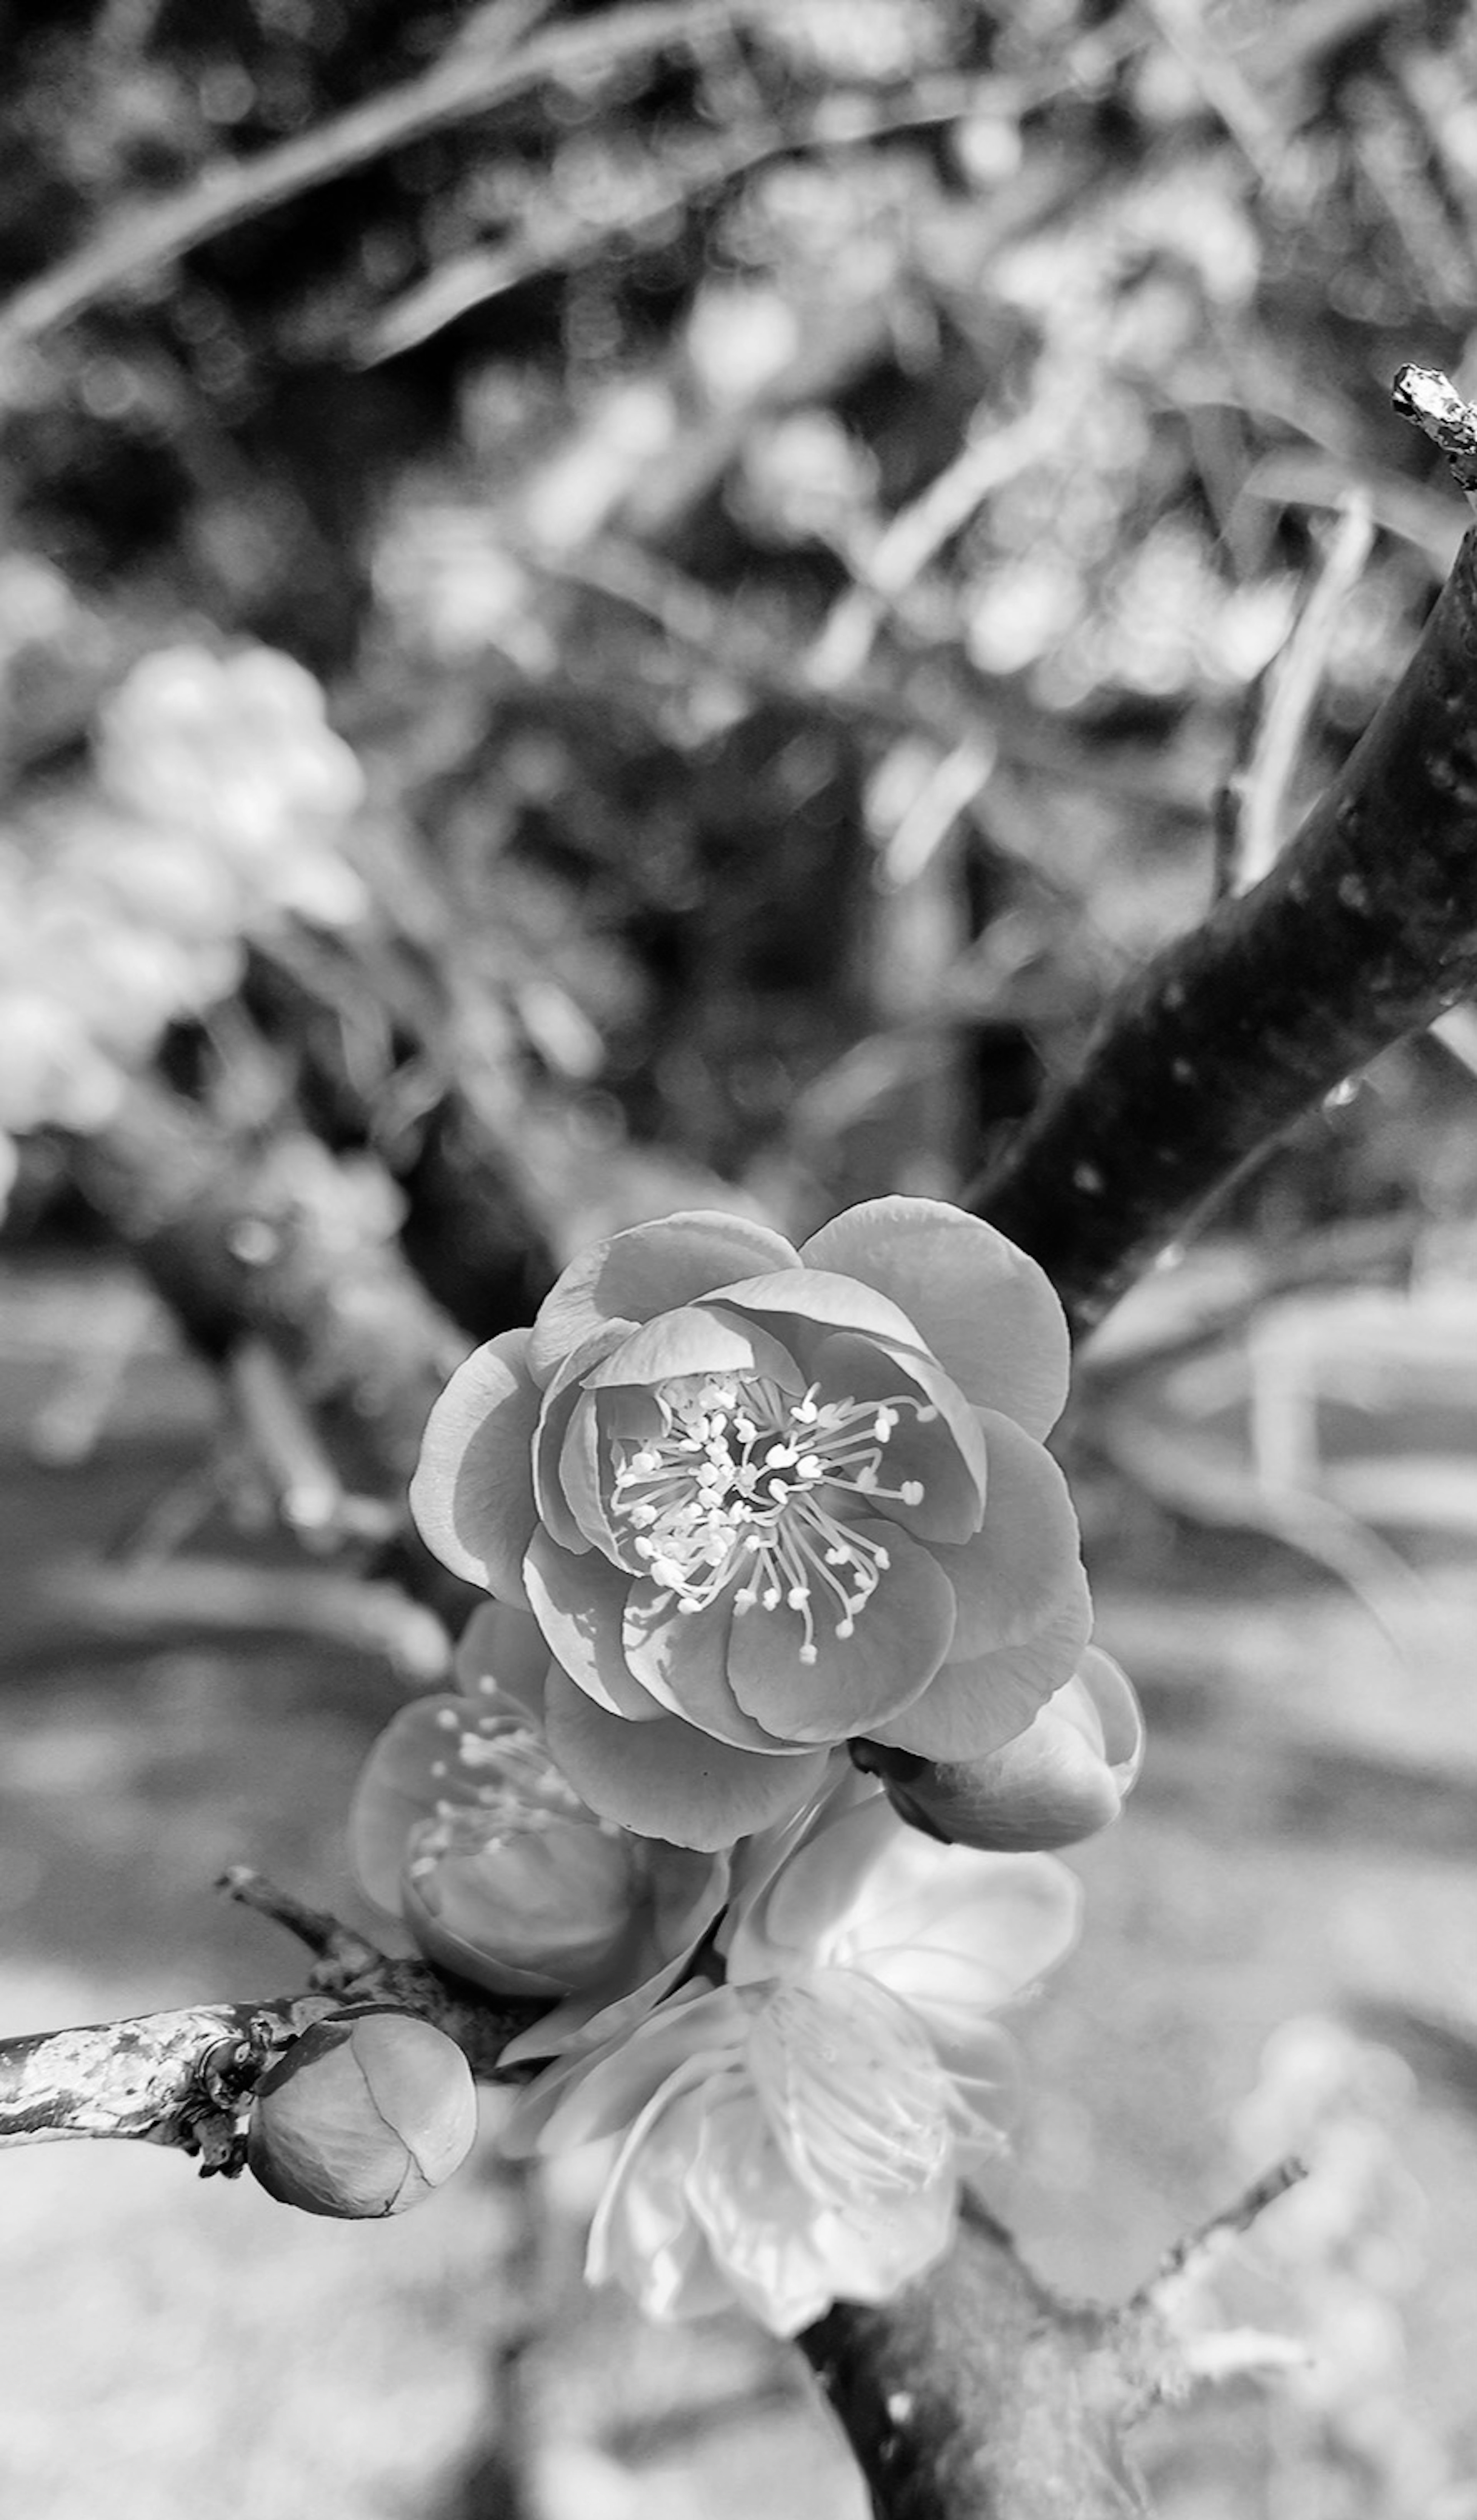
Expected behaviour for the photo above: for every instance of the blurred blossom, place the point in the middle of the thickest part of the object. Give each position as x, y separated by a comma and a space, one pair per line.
804, 477
465, 1828
442, 574
862, 39
797, 2134
743, 1490
221, 805
739, 338
235, 749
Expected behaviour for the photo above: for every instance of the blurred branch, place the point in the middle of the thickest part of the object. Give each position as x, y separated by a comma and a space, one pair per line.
1365, 930
562, 238
244, 1243
471, 79
1292, 688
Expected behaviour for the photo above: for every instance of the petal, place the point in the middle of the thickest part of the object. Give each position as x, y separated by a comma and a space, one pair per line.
823, 1296
983, 1307
500, 1659
1010, 1577
396, 1789
946, 1453
760, 2223
980, 1945
579, 1604
644, 2235
473, 1492
942, 1925
697, 1339
647, 1269
689, 1890
1119, 1719
684, 1662
973, 1707
667, 1779
899, 1639
561, 1403
585, 2096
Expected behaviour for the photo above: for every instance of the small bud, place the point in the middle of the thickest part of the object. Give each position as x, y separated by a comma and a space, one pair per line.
1062, 1780
365, 2115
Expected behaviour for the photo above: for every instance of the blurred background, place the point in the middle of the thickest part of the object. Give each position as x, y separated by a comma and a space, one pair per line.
614, 607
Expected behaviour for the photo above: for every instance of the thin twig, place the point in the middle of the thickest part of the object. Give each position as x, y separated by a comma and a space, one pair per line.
1294, 685
1432, 404
468, 82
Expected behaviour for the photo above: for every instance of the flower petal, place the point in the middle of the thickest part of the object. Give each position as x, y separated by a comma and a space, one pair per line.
667, 1779
591, 2093
938, 1926
785, 2260
957, 1947
398, 1788
684, 1662
697, 1338
819, 1295
975, 1706
561, 1402
500, 1659
982, 1306
899, 1638
473, 1492
578, 1603
946, 1453
644, 2235
1015, 1571
648, 1269
758, 2221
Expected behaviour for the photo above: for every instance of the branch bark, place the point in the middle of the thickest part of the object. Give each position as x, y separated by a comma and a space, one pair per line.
1365, 929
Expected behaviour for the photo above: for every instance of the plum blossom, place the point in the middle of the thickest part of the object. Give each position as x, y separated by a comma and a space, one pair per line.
1060, 1781
797, 2134
763, 1501
464, 1828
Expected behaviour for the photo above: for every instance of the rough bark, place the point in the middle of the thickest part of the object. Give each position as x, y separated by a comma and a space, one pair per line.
1365, 929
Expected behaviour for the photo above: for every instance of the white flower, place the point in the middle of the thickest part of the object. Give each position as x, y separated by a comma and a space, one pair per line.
797, 2134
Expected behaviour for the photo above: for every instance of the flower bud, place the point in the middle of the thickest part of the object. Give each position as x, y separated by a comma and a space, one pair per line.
1062, 1780
365, 2115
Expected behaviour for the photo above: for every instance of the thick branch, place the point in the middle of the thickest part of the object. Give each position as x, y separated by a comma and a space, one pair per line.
1365, 929
977, 2395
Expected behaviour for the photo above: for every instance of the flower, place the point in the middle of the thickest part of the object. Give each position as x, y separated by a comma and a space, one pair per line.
763, 1501
1060, 1781
797, 2134
464, 1827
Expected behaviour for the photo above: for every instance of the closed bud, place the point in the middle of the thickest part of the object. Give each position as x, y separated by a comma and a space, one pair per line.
365, 2115
1062, 1780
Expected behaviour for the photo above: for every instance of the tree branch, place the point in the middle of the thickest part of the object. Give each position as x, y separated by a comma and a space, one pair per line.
1365, 930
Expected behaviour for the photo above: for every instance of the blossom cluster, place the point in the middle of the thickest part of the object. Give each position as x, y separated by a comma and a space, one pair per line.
783, 1693
217, 807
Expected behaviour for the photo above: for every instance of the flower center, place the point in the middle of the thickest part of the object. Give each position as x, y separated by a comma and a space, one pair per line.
852, 2088
744, 1478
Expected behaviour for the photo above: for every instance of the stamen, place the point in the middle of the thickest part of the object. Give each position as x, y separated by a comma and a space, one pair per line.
755, 1482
